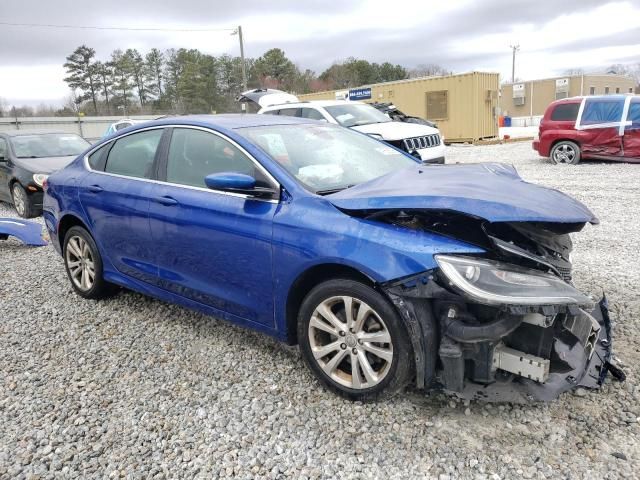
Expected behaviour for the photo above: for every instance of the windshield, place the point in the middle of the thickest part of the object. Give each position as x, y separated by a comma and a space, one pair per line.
48, 145
354, 114
327, 158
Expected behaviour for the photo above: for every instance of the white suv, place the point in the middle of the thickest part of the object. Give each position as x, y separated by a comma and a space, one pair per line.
421, 141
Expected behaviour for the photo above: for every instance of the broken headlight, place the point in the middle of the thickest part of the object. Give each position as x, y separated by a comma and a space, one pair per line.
40, 178
497, 283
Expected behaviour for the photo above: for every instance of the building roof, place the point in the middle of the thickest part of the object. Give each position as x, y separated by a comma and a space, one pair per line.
589, 75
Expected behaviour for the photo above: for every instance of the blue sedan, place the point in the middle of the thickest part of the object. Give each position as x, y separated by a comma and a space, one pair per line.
385, 271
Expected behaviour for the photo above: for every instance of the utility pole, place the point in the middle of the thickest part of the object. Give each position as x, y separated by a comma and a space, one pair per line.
514, 48
238, 31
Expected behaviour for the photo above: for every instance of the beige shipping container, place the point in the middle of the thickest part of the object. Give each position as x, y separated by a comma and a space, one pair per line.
464, 106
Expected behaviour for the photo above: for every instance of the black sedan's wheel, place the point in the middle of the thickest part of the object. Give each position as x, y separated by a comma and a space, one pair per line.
354, 340
84, 264
565, 152
21, 201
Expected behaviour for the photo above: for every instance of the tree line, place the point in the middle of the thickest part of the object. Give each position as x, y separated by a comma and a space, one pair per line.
189, 81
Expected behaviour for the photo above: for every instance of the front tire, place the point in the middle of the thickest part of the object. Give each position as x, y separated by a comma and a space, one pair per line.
21, 202
83, 264
565, 153
354, 341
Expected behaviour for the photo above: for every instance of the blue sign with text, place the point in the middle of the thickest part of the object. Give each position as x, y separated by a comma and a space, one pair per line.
359, 93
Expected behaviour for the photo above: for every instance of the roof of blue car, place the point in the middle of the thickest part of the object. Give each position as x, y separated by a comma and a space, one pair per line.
233, 121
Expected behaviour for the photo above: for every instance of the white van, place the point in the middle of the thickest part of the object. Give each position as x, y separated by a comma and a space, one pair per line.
421, 141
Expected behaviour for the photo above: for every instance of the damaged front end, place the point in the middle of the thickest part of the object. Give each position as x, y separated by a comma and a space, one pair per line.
492, 331
506, 324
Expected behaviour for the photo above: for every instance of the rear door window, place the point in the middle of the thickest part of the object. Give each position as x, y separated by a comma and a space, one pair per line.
565, 112
96, 160
602, 112
134, 154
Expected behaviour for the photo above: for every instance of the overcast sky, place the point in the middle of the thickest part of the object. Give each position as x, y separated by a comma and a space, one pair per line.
462, 35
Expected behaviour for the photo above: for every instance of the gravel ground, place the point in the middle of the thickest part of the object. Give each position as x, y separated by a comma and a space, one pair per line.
133, 387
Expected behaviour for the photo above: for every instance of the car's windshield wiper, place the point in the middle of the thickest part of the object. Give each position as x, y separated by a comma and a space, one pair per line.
329, 191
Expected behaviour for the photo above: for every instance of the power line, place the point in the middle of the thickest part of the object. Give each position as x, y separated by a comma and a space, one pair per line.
95, 27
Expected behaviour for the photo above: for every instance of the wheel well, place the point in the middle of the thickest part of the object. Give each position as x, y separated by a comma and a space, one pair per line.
66, 223
305, 283
555, 142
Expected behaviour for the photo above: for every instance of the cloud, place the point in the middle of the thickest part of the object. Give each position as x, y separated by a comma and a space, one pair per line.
461, 35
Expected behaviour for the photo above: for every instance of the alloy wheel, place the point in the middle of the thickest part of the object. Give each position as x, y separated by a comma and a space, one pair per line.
564, 154
350, 342
80, 263
19, 200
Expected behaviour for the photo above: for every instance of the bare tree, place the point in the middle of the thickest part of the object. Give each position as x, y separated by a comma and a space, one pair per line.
429, 70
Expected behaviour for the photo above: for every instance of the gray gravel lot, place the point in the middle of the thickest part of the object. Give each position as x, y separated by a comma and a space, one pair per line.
133, 387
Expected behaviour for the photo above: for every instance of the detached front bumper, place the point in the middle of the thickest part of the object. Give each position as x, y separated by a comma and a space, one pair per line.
504, 353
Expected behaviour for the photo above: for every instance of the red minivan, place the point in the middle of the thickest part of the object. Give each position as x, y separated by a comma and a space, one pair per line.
605, 127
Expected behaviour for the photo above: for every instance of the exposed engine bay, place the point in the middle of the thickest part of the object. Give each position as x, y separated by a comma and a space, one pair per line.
507, 325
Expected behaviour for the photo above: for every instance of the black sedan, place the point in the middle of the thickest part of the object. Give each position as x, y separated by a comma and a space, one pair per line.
26, 160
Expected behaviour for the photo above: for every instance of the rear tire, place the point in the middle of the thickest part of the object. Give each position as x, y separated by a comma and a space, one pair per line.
565, 153
83, 264
21, 202
372, 337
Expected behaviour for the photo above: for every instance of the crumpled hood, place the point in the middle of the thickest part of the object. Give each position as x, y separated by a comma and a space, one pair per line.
397, 130
46, 164
492, 191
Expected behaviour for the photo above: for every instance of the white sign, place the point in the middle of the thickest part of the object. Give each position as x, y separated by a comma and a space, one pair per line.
562, 83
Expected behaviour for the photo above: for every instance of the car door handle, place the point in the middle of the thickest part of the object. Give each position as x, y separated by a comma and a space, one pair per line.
95, 188
168, 201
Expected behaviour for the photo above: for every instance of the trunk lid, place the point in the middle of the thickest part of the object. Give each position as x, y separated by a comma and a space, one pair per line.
265, 97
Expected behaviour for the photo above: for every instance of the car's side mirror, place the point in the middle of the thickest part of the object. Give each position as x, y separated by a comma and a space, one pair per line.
237, 183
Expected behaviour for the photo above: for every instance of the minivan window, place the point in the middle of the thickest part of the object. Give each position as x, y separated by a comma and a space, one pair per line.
602, 110
133, 155
634, 114
565, 112
194, 154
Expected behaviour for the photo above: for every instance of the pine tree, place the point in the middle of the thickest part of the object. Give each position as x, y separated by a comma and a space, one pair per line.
82, 74
154, 64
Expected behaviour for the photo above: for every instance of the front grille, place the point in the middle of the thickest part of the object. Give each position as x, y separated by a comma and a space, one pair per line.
418, 143
565, 272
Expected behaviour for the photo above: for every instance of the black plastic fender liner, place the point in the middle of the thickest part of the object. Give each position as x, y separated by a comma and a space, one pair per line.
422, 328
454, 326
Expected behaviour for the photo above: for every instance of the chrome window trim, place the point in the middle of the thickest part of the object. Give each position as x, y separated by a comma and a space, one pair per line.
260, 167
